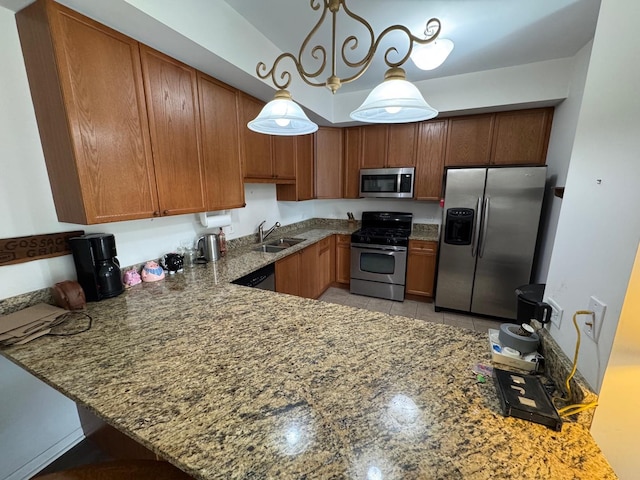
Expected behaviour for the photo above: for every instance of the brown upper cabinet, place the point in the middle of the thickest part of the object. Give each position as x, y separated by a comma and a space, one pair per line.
174, 122
220, 144
126, 130
401, 145
389, 146
301, 148
353, 138
329, 161
88, 94
430, 159
521, 137
469, 140
518, 137
266, 158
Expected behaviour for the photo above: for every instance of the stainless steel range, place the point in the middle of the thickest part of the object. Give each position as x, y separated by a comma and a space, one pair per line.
379, 255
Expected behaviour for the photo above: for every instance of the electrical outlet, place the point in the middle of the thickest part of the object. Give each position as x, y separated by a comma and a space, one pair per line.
230, 229
556, 312
598, 308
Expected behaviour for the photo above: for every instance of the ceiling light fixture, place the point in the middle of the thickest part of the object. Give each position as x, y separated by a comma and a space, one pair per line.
393, 101
432, 55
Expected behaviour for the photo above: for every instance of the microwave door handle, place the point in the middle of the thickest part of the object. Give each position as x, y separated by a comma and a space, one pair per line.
485, 225
475, 239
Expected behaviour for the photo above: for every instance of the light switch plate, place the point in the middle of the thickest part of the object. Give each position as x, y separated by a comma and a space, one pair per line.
556, 312
598, 308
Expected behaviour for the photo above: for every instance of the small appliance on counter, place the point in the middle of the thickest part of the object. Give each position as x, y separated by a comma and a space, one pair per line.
97, 267
208, 247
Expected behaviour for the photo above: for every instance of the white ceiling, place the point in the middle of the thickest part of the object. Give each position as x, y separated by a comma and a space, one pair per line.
488, 34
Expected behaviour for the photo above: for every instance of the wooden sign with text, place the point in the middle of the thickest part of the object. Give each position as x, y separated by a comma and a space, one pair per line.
35, 247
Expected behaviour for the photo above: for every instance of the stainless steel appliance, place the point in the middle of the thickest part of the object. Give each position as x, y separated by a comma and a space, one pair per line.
208, 247
379, 255
387, 182
263, 278
488, 237
97, 267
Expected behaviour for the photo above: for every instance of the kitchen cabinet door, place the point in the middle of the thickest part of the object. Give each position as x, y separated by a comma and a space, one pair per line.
469, 140
309, 271
430, 160
304, 167
88, 94
401, 149
220, 144
421, 267
374, 146
255, 147
174, 122
329, 152
284, 158
302, 188
343, 259
521, 137
352, 161
326, 264
288, 275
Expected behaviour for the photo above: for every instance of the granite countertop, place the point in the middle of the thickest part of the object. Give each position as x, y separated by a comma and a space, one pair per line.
226, 381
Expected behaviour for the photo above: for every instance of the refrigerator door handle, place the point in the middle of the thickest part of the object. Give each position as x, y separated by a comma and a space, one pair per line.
485, 225
475, 240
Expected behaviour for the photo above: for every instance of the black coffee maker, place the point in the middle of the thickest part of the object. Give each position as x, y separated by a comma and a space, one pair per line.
97, 267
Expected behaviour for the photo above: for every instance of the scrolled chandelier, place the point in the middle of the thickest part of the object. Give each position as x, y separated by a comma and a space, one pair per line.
395, 100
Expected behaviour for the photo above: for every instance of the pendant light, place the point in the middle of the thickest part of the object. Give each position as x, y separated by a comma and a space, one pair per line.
395, 100
431, 55
282, 116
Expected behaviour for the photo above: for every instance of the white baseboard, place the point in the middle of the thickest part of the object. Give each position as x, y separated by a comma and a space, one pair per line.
32, 467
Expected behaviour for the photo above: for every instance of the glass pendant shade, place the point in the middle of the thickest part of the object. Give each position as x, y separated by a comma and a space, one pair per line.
431, 55
394, 101
282, 116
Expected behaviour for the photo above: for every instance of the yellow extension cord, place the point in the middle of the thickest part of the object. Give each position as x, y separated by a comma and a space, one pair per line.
578, 407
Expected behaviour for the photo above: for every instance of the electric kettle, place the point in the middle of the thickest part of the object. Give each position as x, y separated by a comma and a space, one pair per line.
208, 247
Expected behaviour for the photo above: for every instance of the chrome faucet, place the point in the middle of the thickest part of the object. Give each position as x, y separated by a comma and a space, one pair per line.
262, 235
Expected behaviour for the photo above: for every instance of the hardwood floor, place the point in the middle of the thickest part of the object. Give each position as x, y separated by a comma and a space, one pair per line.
84, 453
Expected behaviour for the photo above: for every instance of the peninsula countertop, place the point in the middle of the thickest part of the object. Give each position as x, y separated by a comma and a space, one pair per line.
226, 381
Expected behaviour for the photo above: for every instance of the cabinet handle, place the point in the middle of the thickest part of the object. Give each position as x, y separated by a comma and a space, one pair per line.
156, 213
165, 212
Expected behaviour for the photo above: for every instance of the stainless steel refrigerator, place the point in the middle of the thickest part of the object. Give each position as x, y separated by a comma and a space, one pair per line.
488, 237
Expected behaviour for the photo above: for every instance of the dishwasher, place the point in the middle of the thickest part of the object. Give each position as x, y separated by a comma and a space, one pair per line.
263, 278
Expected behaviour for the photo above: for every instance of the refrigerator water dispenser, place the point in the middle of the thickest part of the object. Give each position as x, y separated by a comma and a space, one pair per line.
459, 226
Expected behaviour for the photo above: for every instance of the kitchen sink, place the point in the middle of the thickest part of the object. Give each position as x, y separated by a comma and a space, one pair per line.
286, 242
268, 248
278, 245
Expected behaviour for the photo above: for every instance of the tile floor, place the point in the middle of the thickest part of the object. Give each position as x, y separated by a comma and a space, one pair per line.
408, 308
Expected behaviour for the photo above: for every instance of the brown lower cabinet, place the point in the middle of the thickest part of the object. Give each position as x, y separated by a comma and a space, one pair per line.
326, 263
309, 272
421, 267
343, 259
297, 273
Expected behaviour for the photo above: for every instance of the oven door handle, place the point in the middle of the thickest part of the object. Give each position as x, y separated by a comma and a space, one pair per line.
366, 246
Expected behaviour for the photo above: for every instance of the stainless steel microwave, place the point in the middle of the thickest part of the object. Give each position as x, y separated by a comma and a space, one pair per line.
387, 182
